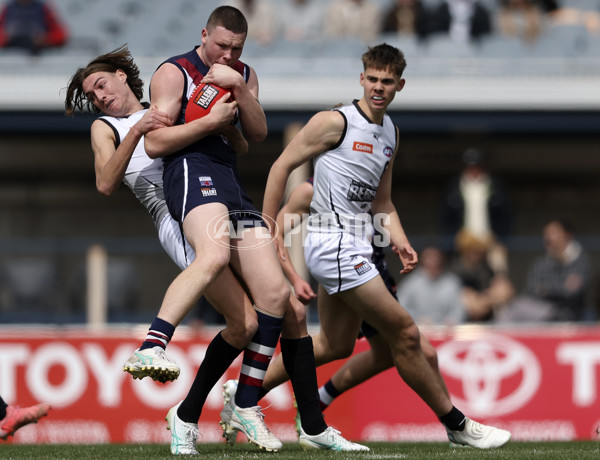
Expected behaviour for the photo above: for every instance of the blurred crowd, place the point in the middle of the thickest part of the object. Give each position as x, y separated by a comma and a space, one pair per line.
34, 25
470, 281
458, 20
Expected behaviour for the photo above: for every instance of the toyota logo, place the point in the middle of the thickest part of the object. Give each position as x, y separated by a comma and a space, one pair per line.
496, 375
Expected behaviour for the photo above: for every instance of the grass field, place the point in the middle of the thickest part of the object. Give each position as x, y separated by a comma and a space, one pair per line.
412, 451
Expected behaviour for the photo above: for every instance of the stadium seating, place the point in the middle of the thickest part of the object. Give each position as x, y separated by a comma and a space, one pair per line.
158, 29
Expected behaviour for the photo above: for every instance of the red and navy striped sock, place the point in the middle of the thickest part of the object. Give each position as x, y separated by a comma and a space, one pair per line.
257, 355
159, 334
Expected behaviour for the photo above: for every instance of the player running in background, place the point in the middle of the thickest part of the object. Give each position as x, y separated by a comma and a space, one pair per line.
353, 148
13, 417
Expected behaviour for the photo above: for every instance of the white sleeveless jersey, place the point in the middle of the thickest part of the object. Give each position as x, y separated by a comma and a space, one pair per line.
346, 177
144, 174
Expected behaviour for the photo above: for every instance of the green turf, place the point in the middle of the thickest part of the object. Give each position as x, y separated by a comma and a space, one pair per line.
412, 451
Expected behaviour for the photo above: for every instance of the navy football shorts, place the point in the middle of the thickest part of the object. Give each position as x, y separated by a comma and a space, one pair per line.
190, 182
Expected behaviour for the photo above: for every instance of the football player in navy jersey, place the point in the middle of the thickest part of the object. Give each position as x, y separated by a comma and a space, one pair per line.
205, 195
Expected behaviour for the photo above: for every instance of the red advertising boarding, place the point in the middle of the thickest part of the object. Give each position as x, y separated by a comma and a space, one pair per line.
541, 383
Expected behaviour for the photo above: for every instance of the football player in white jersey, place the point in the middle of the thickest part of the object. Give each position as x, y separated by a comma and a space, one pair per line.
353, 150
360, 367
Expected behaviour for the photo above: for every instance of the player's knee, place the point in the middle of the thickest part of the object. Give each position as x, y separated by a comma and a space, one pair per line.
341, 350
432, 358
410, 336
241, 329
250, 326
294, 321
430, 354
274, 299
212, 264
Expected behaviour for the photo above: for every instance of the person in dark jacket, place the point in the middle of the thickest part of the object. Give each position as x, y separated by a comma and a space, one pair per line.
32, 25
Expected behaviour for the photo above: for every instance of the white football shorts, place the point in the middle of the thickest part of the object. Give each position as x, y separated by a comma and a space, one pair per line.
339, 261
174, 243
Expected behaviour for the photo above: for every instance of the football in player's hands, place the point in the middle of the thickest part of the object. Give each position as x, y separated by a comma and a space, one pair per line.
203, 99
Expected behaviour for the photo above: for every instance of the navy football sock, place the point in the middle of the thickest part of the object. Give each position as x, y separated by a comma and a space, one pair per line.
219, 356
159, 334
454, 420
299, 361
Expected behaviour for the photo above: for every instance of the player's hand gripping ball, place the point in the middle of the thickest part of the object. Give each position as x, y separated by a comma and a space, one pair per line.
203, 99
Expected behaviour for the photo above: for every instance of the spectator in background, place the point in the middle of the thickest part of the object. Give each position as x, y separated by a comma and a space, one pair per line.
462, 20
484, 291
262, 17
432, 294
521, 19
558, 15
562, 278
353, 19
301, 20
31, 25
406, 18
478, 202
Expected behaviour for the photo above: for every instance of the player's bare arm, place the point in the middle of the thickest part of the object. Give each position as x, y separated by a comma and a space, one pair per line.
288, 218
297, 205
252, 116
166, 88
383, 204
321, 133
110, 164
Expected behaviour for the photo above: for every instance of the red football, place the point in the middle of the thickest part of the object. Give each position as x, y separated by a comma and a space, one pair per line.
202, 100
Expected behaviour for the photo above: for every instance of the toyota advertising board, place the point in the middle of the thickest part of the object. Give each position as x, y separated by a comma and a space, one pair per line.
541, 383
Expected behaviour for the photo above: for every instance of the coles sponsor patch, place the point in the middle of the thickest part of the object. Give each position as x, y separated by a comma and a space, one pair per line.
362, 147
362, 267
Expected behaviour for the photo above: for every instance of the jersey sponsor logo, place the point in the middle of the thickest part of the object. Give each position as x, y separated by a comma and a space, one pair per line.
362, 267
388, 152
205, 96
360, 192
209, 192
205, 181
362, 147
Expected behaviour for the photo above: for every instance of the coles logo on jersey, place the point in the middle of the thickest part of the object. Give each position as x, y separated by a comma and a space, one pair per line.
362, 267
362, 147
388, 152
205, 181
